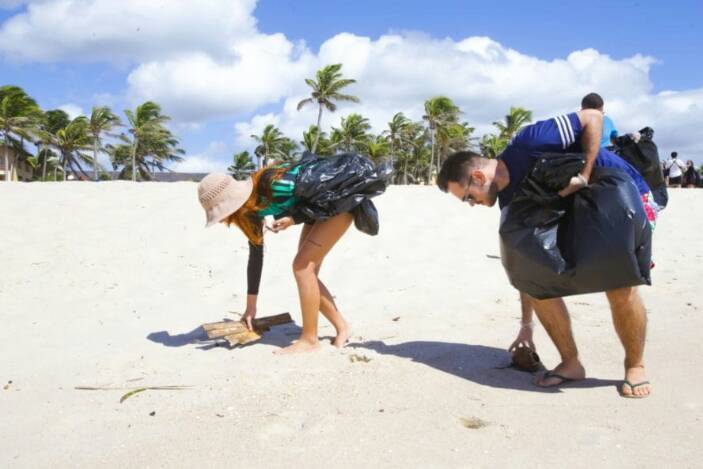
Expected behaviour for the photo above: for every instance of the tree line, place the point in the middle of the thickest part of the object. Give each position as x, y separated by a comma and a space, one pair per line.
64, 145
416, 149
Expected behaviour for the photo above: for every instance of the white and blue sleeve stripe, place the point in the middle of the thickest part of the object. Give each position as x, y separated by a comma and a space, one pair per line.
566, 131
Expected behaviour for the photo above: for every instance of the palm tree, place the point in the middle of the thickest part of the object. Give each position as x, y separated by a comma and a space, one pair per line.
440, 111
48, 126
493, 145
377, 148
326, 90
311, 137
72, 142
242, 165
396, 126
102, 120
516, 119
271, 144
152, 144
352, 134
19, 114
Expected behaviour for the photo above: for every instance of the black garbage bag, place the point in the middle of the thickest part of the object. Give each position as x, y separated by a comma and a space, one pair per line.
328, 186
597, 239
644, 156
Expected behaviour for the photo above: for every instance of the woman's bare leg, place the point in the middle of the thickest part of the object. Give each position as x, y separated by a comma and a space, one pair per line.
328, 307
322, 237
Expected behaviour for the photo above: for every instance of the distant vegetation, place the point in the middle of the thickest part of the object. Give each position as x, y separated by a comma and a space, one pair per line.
141, 143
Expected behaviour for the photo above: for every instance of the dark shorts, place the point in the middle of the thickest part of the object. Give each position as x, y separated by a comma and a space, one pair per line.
675, 181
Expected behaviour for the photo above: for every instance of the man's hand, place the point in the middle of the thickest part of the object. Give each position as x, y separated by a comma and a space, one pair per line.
282, 223
576, 183
249, 316
523, 339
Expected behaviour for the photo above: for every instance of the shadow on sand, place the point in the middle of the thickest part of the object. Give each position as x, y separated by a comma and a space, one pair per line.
478, 363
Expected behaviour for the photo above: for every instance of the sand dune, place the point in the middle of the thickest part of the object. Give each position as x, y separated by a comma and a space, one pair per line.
105, 285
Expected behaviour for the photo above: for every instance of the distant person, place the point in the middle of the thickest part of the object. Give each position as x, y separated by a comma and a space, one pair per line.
691, 178
676, 168
610, 133
665, 172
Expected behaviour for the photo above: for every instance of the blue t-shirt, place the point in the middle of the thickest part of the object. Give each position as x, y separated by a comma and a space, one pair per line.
609, 131
557, 135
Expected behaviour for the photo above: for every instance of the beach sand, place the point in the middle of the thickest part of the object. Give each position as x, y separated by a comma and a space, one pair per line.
106, 285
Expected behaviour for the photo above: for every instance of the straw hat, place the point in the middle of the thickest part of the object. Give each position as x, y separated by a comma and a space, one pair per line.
221, 196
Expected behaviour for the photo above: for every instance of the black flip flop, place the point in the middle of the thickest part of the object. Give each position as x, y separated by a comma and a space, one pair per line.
632, 387
552, 374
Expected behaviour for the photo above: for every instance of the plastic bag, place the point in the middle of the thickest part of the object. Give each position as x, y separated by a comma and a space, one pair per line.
644, 156
595, 240
341, 183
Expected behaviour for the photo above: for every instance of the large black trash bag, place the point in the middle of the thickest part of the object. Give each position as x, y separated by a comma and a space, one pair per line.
328, 186
644, 156
598, 239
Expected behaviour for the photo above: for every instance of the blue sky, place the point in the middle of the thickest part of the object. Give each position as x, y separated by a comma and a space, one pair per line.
282, 45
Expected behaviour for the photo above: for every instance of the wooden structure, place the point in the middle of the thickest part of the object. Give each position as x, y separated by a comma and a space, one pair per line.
236, 332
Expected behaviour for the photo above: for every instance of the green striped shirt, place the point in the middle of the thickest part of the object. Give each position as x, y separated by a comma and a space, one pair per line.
282, 191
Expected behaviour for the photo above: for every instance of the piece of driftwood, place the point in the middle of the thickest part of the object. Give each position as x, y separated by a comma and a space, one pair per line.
236, 332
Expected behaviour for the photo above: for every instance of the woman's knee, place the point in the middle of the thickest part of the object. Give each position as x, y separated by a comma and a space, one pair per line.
303, 265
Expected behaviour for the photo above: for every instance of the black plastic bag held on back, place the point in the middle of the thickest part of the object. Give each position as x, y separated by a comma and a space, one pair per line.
327, 186
595, 240
644, 156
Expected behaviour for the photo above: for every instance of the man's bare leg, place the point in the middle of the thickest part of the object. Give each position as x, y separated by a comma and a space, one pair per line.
555, 319
630, 321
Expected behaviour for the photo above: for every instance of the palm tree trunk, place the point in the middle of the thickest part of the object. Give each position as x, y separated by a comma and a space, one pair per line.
429, 171
405, 172
8, 174
317, 135
43, 164
134, 159
96, 142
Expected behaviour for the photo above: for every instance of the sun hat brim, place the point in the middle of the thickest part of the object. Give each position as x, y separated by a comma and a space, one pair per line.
233, 197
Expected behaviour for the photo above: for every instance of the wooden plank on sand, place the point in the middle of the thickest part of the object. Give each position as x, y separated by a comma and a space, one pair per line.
236, 333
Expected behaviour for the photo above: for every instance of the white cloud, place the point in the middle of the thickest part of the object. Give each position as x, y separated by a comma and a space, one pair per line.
124, 31
261, 69
213, 159
399, 72
206, 60
72, 110
244, 130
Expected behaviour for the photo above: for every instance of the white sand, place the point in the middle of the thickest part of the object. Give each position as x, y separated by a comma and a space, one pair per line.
90, 272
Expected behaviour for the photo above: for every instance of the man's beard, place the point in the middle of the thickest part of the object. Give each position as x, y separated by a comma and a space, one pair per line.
492, 193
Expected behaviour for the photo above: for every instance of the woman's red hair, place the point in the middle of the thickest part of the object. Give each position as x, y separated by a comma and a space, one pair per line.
247, 218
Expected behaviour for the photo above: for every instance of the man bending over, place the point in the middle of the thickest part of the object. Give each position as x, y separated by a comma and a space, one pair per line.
477, 180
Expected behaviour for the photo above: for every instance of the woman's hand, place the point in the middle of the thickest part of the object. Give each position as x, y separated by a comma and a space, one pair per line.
249, 316
523, 339
282, 223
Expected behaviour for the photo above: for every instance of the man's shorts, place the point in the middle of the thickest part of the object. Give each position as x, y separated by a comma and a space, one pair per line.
651, 209
675, 181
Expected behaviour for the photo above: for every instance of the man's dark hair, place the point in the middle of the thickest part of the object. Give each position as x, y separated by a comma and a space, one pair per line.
592, 101
674, 154
456, 168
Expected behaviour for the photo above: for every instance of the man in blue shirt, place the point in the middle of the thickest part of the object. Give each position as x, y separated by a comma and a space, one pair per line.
478, 180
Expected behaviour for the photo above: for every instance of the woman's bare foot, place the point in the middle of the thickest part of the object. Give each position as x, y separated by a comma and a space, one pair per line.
636, 384
343, 334
564, 372
299, 346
